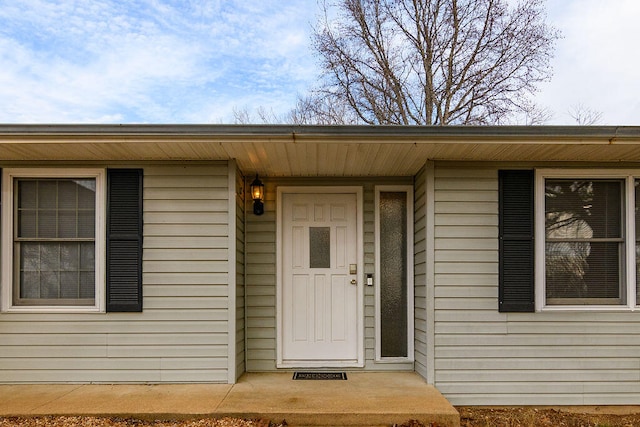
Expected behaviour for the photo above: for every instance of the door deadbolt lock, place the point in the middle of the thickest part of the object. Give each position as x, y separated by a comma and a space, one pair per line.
353, 268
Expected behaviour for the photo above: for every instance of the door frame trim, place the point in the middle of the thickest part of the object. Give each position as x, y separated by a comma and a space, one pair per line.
358, 191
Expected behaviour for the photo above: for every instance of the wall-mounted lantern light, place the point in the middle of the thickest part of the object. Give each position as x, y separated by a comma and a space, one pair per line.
257, 194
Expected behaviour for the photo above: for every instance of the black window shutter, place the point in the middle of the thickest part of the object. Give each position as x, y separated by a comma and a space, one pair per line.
124, 240
516, 247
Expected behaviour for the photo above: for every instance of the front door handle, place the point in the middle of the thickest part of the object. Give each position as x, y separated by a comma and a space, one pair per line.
354, 282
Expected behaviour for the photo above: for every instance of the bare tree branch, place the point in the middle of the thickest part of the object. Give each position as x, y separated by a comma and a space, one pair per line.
584, 115
431, 62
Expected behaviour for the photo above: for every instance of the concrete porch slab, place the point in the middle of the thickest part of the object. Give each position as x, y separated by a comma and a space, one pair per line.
365, 399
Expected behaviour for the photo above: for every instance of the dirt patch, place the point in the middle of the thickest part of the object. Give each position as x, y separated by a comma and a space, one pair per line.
541, 417
58, 421
469, 417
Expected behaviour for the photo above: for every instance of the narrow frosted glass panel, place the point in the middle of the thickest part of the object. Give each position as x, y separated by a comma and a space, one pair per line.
637, 209
393, 274
319, 247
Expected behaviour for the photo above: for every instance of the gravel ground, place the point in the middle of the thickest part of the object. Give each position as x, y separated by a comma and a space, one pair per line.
56, 421
469, 417
536, 417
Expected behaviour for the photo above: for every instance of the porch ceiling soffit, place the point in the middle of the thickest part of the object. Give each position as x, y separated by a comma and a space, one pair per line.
273, 150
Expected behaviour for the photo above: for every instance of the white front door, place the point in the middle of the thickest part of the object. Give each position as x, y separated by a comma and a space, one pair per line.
319, 295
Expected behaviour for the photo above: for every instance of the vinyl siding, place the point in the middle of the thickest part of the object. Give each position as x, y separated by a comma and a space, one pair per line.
420, 269
240, 302
181, 336
260, 267
483, 357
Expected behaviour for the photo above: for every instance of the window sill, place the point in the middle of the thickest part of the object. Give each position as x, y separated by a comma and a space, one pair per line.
587, 308
53, 309
394, 360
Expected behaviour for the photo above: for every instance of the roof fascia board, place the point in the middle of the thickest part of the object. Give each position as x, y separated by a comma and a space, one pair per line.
321, 134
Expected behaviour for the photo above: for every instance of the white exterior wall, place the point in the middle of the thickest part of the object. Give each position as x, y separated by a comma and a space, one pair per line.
181, 336
483, 357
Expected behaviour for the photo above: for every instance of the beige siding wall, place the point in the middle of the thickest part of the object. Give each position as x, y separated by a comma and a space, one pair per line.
182, 334
483, 357
420, 269
240, 302
261, 272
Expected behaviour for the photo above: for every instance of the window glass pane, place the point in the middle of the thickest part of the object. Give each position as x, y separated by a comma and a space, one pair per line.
583, 270
69, 284
49, 285
66, 211
69, 257
28, 194
47, 193
47, 224
86, 193
87, 284
60, 271
393, 274
584, 247
53, 270
87, 256
30, 257
86, 223
67, 195
319, 247
30, 284
67, 222
27, 223
49, 257
583, 209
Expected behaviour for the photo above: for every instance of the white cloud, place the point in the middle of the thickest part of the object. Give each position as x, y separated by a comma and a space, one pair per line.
150, 61
186, 61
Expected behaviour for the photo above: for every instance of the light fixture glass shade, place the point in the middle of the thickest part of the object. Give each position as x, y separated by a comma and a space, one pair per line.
257, 189
257, 194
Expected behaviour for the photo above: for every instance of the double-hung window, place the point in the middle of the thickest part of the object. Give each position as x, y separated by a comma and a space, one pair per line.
586, 239
53, 239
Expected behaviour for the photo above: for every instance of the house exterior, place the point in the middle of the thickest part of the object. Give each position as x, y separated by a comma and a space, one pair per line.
499, 263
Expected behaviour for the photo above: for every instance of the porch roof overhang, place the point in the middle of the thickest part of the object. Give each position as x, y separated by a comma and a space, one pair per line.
291, 150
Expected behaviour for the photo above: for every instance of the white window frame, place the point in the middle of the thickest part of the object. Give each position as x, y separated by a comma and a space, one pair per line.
408, 189
8, 177
628, 272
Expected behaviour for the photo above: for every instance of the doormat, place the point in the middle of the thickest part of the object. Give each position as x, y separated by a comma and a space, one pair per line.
319, 375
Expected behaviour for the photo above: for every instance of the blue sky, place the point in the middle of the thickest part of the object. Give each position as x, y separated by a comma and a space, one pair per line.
194, 61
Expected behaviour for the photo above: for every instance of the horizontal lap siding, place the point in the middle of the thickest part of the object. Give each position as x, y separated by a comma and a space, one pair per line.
181, 336
260, 282
240, 302
488, 358
420, 280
